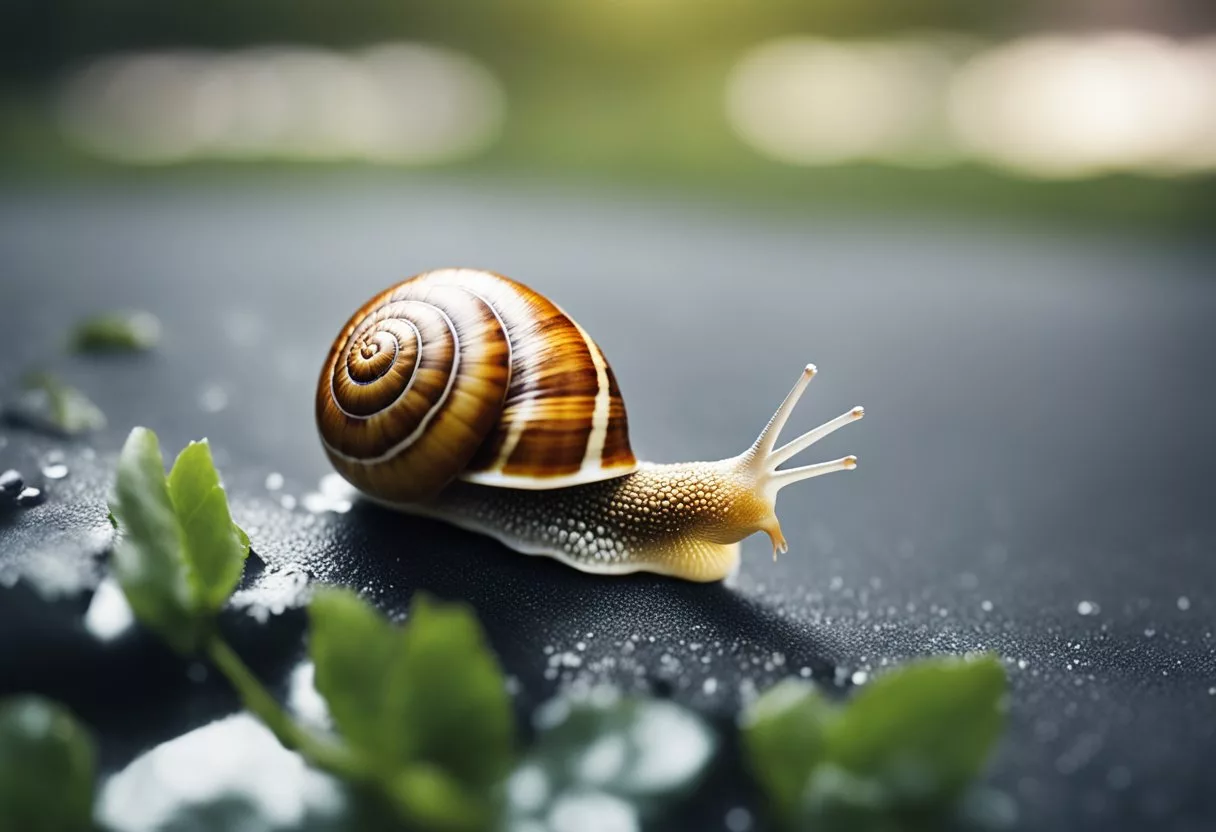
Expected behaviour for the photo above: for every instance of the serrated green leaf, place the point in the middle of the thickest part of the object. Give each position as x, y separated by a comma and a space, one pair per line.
178, 555
783, 736
353, 649
215, 548
46, 768
149, 560
447, 696
428, 693
116, 332
925, 730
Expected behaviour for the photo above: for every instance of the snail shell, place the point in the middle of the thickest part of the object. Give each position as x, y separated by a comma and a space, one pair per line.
466, 374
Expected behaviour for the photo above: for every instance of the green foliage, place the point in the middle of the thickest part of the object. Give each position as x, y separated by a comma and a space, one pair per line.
784, 733
48, 404
425, 704
116, 332
179, 555
897, 757
46, 768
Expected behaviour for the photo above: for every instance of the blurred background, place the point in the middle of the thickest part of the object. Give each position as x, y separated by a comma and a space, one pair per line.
1061, 110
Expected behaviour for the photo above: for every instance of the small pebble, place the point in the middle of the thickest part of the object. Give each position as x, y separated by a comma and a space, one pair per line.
30, 496
11, 483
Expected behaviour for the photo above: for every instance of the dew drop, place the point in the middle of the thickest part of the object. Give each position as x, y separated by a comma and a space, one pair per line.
710, 686
56, 471
213, 398
274, 481
1184, 603
30, 496
860, 677
11, 483
1087, 608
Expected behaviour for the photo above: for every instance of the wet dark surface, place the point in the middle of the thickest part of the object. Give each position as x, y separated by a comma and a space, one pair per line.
1037, 472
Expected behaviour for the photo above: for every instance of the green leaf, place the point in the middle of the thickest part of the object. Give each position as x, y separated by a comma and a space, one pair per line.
451, 703
836, 800
353, 649
179, 555
46, 768
429, 693
215, 547
48, 404
432, 800
149, 560
925, 730
784, 740
116, 332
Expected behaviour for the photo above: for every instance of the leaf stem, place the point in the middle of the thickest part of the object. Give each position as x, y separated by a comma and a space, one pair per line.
323, 753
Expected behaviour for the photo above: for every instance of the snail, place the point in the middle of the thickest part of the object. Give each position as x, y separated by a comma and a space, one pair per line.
462, 395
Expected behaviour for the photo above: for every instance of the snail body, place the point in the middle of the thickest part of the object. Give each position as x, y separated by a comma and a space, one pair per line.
462, 395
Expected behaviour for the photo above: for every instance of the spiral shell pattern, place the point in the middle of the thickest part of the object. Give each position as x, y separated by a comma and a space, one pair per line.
460, 373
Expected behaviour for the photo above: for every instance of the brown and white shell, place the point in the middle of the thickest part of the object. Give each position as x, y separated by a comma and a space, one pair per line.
462, 373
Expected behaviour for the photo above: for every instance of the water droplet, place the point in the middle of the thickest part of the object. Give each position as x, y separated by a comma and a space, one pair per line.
710, 686
30, 496
274, 481
55, 472
11, 483
1212, 691
986, 606
860, 677
1023, 664
738, 819
197, 672
213, 398
108, 615
1184, 603
1088, 608
287, 501
1150, 632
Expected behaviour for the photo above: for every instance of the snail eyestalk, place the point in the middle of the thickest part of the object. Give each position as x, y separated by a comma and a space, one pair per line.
761, 461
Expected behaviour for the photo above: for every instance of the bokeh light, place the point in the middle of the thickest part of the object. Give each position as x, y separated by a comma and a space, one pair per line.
1052, 106
817, 102
1059, 106
403, 103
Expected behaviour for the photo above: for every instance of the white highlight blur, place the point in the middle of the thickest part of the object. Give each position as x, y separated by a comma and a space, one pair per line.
1076, 106
815, 102
1050, 106
403, 103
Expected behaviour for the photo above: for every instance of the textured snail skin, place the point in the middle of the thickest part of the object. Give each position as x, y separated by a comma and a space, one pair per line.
464, 396
684, 520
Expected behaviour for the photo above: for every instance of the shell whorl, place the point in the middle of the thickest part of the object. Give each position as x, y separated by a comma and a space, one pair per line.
460, 373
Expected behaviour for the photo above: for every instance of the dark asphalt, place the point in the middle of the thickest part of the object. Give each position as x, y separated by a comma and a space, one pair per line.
1038, 441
